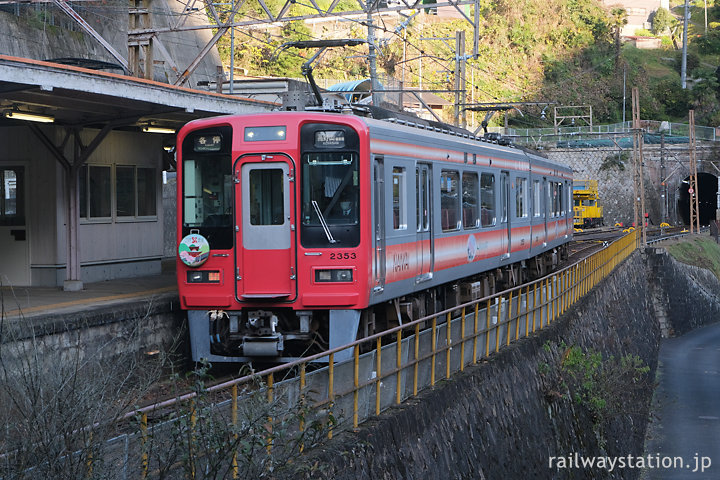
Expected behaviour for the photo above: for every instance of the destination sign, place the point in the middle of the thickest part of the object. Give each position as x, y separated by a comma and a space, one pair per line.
207, 143
330, 138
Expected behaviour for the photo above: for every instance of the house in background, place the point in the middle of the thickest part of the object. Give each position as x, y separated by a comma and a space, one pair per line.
639, 13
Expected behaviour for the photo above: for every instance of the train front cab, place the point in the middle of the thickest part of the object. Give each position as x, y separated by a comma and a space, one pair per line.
280, 202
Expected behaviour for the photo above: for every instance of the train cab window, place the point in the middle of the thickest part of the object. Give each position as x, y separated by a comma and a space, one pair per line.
487, 199
449, 200
398, 199
470, 200
521, 198
208, 186
330, 186
537, 198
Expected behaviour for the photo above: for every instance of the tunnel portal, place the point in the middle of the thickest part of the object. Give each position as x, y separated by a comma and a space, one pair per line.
707, 200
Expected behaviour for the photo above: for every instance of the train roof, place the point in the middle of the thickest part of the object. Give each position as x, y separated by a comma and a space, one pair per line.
421, 131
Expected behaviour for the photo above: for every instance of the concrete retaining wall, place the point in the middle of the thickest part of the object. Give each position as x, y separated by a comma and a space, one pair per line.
120, 331
505, 417
689, 294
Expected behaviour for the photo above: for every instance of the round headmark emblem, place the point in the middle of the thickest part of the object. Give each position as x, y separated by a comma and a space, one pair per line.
471, 248
194, 250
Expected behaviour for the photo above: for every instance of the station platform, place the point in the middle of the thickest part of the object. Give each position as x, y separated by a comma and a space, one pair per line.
34, 302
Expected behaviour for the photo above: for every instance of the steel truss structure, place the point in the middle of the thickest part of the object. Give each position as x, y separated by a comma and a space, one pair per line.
142, 35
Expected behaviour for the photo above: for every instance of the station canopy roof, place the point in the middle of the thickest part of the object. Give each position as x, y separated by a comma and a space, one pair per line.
86, 98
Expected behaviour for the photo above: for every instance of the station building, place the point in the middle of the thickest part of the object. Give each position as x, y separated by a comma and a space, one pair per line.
81, 167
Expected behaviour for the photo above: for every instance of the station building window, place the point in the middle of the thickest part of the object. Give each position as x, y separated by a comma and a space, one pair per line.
12, 196
133, 191
95, 191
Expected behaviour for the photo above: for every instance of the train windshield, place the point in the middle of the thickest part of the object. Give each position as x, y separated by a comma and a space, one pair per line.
207, 186
330, 198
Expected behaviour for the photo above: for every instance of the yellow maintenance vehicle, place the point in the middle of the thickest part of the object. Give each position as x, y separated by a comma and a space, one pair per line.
587, 212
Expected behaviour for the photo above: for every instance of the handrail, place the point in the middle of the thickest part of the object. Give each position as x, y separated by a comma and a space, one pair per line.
402, 361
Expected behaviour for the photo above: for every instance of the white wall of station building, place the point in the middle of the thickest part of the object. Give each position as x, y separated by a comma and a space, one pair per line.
109, 247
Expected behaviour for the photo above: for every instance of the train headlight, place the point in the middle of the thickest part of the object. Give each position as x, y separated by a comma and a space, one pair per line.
334, 275
203, 276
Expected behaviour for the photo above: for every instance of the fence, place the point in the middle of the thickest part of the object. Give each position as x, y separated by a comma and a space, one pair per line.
546, 137
260, 421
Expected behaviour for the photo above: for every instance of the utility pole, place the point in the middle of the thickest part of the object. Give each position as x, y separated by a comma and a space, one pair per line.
232, 57
663, 181
683, 64
624, 96
139, 18
460, 117
693, 189
638, 181
372, 59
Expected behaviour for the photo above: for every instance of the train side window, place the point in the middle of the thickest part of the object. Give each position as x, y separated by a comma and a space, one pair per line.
536, 198
487, 199
470, 200
449, 200
557, 199
521, 198
568, 190
398, 201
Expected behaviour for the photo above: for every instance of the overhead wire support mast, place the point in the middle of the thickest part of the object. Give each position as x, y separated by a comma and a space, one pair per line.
693, 188
638, 180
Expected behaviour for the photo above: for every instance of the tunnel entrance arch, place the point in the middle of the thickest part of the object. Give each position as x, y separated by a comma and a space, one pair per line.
707, 199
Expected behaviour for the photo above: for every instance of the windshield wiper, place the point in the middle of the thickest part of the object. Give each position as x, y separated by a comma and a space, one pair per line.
324, 224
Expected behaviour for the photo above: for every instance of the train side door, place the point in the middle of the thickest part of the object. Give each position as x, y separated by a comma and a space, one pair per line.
546, 208
567, 194
505, 212
14, 259
379, 214
423, 205
266, 241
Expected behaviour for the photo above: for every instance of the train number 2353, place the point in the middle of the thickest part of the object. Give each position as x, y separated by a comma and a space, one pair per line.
343, 256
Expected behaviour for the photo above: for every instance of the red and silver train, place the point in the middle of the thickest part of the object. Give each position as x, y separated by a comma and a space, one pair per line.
301, 231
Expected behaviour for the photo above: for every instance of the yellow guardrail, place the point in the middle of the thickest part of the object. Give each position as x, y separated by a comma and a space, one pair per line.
387, 368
